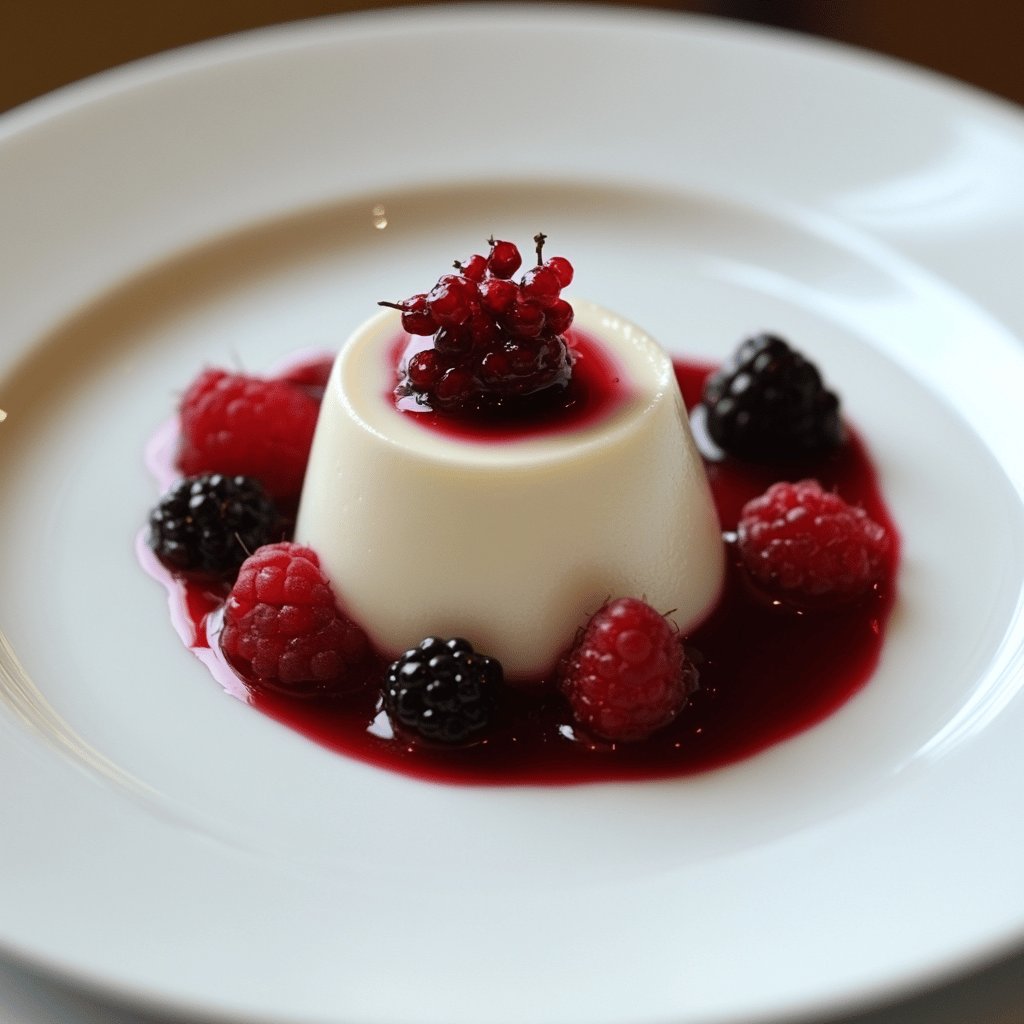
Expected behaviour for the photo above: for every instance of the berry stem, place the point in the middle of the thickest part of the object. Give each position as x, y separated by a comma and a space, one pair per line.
539, 239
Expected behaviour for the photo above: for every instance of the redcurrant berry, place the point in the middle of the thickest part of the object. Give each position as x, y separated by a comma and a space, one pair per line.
504, 259
450, 301
562, 268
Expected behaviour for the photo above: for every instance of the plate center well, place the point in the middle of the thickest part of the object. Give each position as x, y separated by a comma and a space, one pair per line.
698, 273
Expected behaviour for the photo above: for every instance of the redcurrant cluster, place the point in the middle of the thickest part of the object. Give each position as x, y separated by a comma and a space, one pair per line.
499, 346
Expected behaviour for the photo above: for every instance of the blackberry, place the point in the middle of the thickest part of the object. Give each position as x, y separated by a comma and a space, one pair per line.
768, 403
209, 524
443, 691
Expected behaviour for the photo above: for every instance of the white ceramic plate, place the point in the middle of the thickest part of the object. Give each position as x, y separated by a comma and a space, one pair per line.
227, 204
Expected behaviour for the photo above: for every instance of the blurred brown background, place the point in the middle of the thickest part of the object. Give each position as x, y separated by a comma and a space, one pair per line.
47, 43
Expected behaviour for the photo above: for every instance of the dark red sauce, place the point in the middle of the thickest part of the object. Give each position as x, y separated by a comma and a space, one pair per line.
596, 390
766, 672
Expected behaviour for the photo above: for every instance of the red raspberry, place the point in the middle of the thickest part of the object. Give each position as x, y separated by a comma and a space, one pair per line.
311, 376
247, 426
628, 674
799, 541
283, 630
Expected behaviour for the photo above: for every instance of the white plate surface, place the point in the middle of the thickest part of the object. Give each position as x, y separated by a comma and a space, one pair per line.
224, 205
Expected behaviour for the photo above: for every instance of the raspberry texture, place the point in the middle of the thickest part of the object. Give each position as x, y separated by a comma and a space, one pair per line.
311, 376
800, 541
209, 524
443, 691
769, 404
283, 630
250, 426
627, 675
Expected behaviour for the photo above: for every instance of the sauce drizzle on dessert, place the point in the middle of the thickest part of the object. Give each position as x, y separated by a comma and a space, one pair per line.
597, 388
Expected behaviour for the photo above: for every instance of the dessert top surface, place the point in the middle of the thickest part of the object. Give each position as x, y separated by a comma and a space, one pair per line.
637, 376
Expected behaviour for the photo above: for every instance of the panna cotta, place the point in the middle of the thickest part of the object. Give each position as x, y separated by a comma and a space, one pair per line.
485, 485
512, 541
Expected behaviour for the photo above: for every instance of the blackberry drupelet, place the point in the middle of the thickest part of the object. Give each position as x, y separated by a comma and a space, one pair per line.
443, 691
209, 524
768, 403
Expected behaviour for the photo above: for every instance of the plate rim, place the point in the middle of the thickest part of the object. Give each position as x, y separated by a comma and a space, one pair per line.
273, 39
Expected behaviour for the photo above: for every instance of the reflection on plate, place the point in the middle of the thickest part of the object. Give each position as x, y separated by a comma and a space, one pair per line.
249, 206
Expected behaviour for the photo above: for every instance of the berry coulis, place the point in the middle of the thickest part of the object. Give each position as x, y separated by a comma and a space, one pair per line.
595, 391
767, 671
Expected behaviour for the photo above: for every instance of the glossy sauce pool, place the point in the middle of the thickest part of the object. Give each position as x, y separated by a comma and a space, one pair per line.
767, 671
